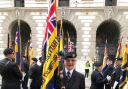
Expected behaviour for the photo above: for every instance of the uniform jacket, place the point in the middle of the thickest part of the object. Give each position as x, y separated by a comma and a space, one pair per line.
25, 79
108, 70
77, 81
10, 73
117, 74
35, 75
97, 80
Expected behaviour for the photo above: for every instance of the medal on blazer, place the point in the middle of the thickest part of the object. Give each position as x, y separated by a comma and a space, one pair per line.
61, 77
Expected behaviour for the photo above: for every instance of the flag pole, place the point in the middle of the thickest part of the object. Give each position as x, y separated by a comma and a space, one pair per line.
18, 13
8, 41
105, 54
51, 63
59, 29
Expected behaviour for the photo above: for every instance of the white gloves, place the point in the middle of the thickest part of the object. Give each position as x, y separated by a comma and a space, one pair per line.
115, 84
29, 82
108, 77
23, 73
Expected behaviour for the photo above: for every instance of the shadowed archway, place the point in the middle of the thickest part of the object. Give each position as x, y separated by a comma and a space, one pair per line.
70, 33
108, 30
24, 31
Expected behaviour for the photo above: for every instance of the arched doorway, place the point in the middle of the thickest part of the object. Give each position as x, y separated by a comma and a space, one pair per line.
25, 31
108, 30
70, 34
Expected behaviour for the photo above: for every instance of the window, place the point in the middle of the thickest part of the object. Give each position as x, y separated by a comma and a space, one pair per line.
19, 3
63, 3
110, 2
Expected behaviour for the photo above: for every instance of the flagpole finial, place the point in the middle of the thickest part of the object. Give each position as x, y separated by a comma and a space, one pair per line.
62, 13
17, 13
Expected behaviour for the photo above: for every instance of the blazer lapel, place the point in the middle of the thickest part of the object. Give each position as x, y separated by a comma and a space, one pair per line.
64, 79
72, 79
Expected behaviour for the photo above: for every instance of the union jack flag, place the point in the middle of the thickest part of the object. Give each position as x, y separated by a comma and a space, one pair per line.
105, 49
51, 25
30, 50
119, 50
105, 54
50, 49
70, 46
18, 46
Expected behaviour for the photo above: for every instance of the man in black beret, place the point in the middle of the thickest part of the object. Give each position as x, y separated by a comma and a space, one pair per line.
71, 78
117, 74
9, 70
97, 79
108, 69
35, 75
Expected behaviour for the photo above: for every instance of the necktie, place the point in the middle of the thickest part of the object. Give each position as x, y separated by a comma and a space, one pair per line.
68, 78
68, 75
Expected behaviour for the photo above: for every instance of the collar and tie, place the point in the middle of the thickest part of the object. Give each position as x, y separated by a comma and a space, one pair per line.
68, 75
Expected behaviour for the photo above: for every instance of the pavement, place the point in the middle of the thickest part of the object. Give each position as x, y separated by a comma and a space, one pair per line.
88, 82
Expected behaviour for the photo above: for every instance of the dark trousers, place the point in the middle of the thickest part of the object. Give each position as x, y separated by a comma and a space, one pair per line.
25, 82
11, 86
117, 87
37, 87
108, 86
86, 73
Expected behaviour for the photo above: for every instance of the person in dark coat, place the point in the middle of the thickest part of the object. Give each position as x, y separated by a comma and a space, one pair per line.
108, 70
25, 72
97, 79
11, 75
117, 74
41, 60
70, 78
35, 75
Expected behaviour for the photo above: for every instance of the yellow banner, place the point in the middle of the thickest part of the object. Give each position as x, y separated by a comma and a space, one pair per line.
51, 62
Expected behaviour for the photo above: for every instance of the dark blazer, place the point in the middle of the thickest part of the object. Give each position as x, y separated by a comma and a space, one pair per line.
25, 79
97, 80
77, 81
117, 74
108, 70
11, 75
35, 74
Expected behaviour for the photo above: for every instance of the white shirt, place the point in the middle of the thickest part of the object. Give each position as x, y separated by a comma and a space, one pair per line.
71, 71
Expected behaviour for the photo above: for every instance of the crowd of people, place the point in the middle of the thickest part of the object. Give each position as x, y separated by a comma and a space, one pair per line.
105, 75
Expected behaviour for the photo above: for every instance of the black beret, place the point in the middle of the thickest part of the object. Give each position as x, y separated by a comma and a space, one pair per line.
60, 53
34, 59
8, 51
97, 64
119, 59
70, 55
